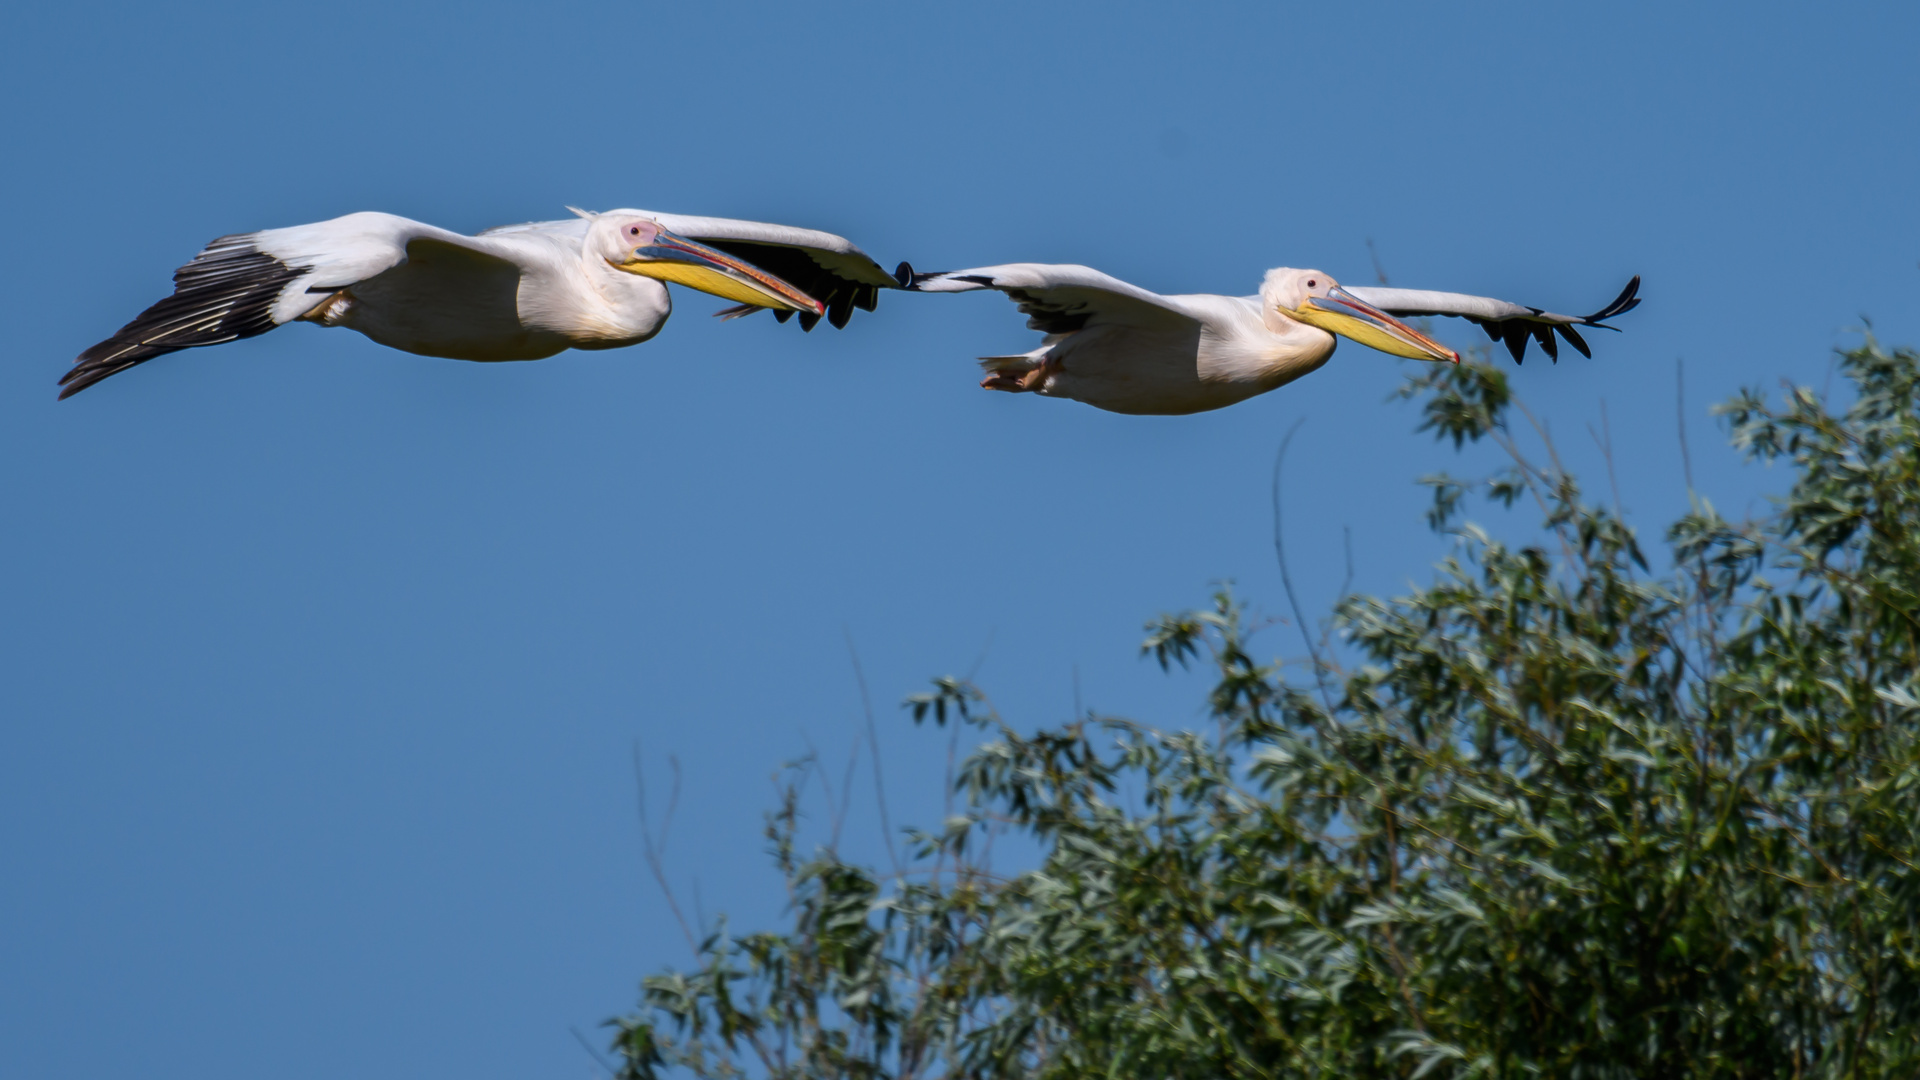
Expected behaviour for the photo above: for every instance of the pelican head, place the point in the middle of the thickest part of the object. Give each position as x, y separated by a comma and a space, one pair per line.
641, 246
1312, 297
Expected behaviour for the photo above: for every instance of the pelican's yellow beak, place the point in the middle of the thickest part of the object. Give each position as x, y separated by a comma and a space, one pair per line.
1345, 314
670, 257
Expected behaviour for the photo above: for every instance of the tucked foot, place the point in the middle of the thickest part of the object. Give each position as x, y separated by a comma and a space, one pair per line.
1016, 374
329, 312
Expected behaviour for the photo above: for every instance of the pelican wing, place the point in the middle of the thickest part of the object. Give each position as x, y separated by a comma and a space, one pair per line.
1503, 321
1060, 299
829, 268
248, 283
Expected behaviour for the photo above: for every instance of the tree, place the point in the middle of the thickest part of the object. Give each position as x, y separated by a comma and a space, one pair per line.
1555, 814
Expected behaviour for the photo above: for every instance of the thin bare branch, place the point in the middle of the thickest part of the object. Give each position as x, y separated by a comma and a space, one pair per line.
873, 746
1286, 576
1680, 417
826, 783
652, 850
1604, 440
593, 1052
1379, 271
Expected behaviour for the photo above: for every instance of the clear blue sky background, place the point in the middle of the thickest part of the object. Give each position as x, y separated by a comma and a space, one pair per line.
322, 664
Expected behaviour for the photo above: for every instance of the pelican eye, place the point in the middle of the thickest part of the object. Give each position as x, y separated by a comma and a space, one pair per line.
1311, 283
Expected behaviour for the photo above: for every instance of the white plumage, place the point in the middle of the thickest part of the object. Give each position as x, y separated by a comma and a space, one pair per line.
517, 292
1122, 348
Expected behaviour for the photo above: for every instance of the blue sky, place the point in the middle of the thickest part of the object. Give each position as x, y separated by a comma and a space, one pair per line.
323, 664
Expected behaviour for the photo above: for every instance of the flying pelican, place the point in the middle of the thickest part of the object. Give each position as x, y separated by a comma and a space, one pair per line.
516, 292
1119, 347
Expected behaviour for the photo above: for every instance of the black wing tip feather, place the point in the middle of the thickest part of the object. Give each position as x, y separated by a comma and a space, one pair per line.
1627, 300
840, 309
110, 357
1543, 334
226, 293
839, 295
1574, 339
1514, 333
910, 279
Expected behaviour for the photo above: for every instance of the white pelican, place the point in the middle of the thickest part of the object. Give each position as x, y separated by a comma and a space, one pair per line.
1127, 350
517, 292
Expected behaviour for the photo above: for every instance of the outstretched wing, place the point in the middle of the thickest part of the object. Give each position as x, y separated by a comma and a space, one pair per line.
829, 268
1503, 321
1060, 299
248, 283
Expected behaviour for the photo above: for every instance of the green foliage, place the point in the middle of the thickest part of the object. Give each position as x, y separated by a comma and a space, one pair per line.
1566, 816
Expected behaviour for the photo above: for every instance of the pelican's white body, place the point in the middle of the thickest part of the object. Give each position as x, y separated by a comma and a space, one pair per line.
518, 292
521, 295
1221, 352
1122, 348
1139, 351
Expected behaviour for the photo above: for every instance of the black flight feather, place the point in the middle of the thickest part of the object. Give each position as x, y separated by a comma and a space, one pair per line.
1543, 334
226, 293
1625, 302
1514, 333
839, 295
1574, 339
